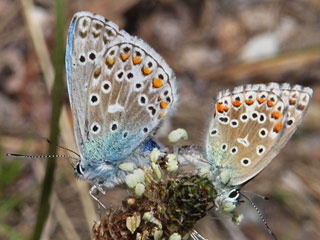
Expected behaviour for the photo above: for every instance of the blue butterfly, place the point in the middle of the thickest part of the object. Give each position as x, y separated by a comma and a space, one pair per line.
119, 89
249, 127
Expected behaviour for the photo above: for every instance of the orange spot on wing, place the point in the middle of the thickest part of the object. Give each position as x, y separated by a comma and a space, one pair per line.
124, 57
157, 82
226, 108
270, 103
236, 103
146, 70
276, 114
278, 126
219, 107
261, 100
164, 104
109, 61
136, 60
249, 101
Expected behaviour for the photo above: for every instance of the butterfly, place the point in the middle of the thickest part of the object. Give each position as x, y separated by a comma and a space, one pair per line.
249, 127
120, 89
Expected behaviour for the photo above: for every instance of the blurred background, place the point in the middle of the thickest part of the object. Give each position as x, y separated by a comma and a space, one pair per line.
211, 45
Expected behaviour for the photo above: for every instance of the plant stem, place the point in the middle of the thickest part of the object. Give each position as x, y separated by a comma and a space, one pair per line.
57, 101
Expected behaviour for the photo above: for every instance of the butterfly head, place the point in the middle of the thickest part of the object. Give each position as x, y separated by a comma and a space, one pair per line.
231, 200
228, 198
79, 170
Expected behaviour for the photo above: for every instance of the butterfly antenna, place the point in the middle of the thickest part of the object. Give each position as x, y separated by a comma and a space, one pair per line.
67, 149
15, 155
261, 216
258, 195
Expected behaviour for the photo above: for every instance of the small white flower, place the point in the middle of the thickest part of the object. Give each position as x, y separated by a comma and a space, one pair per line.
172, 162
237, 218
128, 167
157, 170
139, 189
177, 134
157, 233
155, 154
131, 180
175, 236
172, 157
147, 216
133, 222
228, 206
139, 173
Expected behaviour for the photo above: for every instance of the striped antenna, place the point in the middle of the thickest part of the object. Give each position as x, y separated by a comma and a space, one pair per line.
67, 149
256, 194
47, 156
261, 216
41, 156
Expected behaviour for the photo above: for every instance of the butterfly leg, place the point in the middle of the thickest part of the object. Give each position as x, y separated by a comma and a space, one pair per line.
96, 189
196, 236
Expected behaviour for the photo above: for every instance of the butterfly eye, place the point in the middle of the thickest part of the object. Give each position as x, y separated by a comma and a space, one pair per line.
234, 194
79, 169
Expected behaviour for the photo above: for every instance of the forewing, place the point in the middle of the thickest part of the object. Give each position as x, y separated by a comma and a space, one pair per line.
89, 36
250, 126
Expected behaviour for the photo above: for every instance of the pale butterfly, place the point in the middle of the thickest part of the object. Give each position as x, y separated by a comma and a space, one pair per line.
119, 89
249, 127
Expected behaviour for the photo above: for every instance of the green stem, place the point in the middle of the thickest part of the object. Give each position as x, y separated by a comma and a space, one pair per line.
57, 101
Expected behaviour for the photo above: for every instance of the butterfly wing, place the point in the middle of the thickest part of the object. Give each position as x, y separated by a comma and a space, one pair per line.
88, 37
119, 87
250, 126
130, 90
